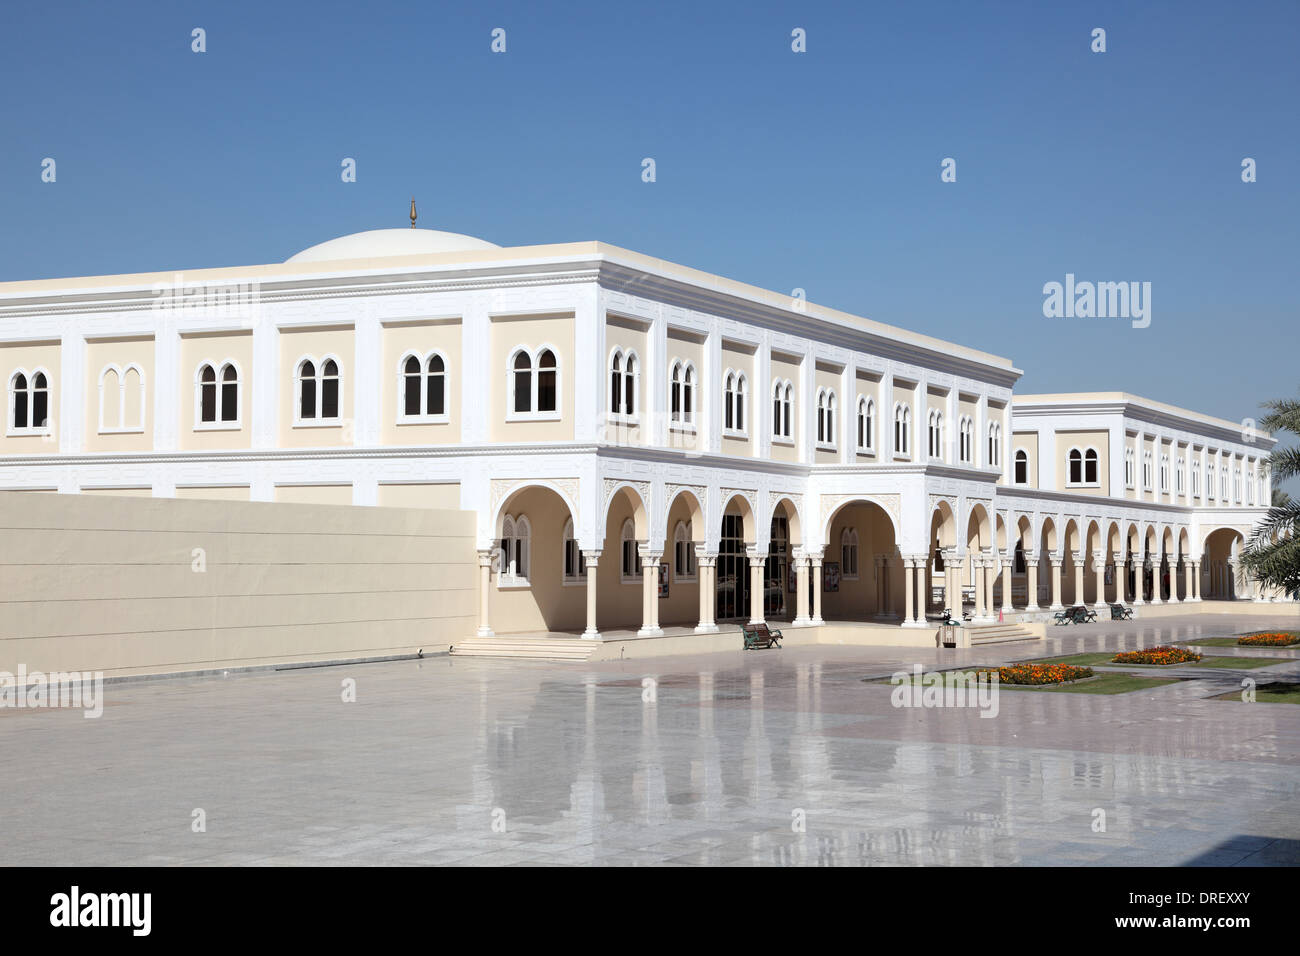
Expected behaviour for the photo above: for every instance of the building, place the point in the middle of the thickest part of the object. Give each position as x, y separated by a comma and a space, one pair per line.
641, 443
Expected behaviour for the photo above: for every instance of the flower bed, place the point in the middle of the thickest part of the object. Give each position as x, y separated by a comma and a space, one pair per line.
1038, 673
1157, 655
1272, 639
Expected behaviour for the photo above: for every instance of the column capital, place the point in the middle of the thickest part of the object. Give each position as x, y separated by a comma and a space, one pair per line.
704, 556
755, 553
486, 556
649, 554
592, 557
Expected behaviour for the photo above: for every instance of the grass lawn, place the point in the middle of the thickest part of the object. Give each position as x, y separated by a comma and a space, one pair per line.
1104, 660
1268, 694
1232, 642
1101, 684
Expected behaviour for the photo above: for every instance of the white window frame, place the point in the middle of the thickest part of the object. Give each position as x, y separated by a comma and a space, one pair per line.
626, 535
423, 418
866, 425
849, 542
30, 378
901, 440
515, 528
783, 395
1083, 452
685, 379
934, 435
318, 364
1015, 464
966, 441
682, 540
734, 399
626, 357
826, 419
534, 373
1130, 468
995, 445
567, 538
219, 368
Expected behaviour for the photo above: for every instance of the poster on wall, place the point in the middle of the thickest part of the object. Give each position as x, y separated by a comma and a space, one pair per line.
1110, 574
831, 576
791, 580
663, 579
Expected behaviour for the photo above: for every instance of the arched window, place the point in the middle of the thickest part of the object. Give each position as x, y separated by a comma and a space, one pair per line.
624, 377
423, 388
1164, 473
902, 425
229, 393
1223, 484
733, 402
966, 439
29, 401
1147, 469
681, 389
1022, 467
630, 568
306, 389
866, 423
217, 394
522, 368
1075, 466
534, 384
849, 553
825, 417
1018, 566
110, 405
548, 382
132, 399
318, 390
1090, 467
934, 433
575, 563
995, 445
782, 410
516, 538
683, 552
1128, 468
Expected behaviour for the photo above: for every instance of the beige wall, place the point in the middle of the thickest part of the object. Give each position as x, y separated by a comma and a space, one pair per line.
139, 492
869, 388
314, 494
1083, 440
122, 353
162, 585
216, 348
1028, 442
857, 599
531, 332
421, 338
906, 394
30, 356
687, 348
787, 369
440, 496
738, 359
831, 380
214, 492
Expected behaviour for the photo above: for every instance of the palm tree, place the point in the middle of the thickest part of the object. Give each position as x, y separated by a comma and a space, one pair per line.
1272, 555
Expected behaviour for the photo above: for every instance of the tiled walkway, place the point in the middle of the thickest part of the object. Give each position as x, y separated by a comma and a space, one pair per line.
767, 757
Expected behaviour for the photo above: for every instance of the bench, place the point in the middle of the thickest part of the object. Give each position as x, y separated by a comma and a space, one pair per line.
758, 635
1118, 612
1064, 617
949, 619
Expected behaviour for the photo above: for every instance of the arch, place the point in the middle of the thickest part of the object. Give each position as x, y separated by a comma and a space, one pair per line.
1115, 539
979, 529
516, 490
943, 526
1093, 539
739, 504
1049, 536
1025, 532
1000, 526
695, 508
793, 518
625, 491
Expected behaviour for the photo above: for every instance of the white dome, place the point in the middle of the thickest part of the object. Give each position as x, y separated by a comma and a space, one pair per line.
378, 243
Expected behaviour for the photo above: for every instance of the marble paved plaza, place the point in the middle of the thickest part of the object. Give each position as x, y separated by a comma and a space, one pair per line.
766, 757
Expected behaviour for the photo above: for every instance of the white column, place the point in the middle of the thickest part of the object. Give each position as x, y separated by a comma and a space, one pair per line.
264, 380
168, 377
649, 592
484, 594
592, 560
802, 616
1156, 564
706, 574
1031, 584
909, 569
1007, 606
1056, 584
952, 565
69, 412
990, 579
756, 595
1099, 572
1080, 558
816, 557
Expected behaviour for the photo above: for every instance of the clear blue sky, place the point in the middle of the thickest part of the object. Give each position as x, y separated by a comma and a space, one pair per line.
816, 170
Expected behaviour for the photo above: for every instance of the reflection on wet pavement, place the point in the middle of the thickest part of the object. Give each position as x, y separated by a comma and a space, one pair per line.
766, 757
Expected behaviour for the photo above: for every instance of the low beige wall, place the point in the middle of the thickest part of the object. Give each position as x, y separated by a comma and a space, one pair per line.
132, 586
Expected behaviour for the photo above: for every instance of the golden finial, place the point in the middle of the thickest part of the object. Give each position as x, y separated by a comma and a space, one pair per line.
412, 212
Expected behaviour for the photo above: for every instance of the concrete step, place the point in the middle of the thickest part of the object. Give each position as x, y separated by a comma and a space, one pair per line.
526, 648
1000, 634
